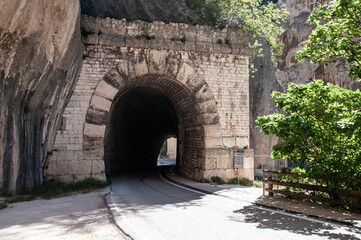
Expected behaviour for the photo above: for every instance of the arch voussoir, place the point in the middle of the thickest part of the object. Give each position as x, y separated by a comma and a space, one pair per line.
157, 61
126, 70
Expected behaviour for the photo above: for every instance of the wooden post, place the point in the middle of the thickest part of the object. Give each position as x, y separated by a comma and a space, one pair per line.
356, 200
270, 186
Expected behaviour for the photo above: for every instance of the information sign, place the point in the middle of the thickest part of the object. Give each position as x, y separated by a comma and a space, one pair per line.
238, 160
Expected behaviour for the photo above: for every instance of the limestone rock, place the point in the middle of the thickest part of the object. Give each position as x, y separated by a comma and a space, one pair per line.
40, 59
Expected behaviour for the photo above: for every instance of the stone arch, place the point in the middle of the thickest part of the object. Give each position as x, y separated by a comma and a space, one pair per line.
180, 83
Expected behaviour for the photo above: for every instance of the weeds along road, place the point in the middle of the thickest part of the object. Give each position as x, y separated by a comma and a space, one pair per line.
145, 206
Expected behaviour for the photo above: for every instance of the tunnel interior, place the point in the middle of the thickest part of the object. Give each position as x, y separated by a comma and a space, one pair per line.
141, 119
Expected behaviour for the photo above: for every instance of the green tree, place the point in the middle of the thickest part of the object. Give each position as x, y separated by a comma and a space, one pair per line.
322, 126
337, 35
261, 18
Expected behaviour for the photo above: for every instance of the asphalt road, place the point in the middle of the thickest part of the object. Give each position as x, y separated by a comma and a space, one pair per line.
146, 207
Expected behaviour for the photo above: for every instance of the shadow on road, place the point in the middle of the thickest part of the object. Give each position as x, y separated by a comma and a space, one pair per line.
277, 221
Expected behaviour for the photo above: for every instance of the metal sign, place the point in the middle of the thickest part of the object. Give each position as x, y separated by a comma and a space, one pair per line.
238, 160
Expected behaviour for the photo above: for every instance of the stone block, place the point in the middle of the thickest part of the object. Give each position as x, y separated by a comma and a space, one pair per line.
97, 117
242, 142
58, 168
249, 158
224, 163
229, 142
230, 174
126, 70
98, 167
93, 143
100, 103
91, 39
65, 179
212, 131
93, 155
204, 47
184, 72
247, 173
100, 177
157, 61
92, 130
79, 167
208, 107
209, 118
213, 142
218, 152
141, 69
51, 169
106, 90
112, 40
210, 163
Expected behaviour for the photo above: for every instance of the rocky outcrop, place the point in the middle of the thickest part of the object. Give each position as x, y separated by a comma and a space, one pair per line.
145, 10
297, 30
40, 60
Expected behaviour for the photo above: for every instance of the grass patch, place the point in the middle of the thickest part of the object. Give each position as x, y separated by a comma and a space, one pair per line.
53, 189
246, 182
50, 190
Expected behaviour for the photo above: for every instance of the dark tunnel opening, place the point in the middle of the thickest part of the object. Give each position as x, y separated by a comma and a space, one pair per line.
140, 121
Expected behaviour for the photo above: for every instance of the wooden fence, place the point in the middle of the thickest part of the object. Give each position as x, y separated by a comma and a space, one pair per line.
339, 197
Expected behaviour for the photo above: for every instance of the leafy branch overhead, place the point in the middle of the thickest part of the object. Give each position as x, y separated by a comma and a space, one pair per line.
337, 35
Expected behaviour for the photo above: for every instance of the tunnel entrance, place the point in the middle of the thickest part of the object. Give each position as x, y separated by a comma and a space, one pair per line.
130, 117
141, 120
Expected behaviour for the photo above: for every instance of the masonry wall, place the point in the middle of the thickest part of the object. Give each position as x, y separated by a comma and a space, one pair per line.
218, 59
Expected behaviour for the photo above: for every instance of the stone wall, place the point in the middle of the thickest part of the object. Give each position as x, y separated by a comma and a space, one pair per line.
172, 148
192, 68
40, 59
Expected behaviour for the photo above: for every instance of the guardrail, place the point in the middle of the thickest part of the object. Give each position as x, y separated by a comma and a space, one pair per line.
339, 197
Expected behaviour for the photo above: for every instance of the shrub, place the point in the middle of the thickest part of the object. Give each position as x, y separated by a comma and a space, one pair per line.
217, 179
322, 127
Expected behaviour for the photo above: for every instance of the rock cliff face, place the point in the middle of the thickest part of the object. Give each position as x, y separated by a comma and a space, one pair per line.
145, 10
40, 60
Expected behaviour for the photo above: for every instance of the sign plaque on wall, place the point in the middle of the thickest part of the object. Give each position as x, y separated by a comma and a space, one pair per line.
238, 160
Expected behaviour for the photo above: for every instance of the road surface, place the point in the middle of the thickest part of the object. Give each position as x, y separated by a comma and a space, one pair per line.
145, 206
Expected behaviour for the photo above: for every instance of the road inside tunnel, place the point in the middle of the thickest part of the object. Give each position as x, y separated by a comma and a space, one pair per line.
141, 119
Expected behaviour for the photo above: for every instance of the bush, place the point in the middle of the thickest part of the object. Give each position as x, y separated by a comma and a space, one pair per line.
217, 179
246, 182
321, 127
